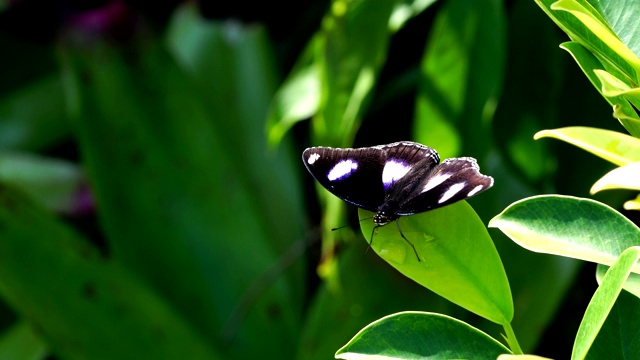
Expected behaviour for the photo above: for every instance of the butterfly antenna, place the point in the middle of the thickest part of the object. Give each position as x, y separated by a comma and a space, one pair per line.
344, 226
407, 240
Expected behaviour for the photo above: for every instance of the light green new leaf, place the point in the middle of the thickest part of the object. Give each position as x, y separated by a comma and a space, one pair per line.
632, 285
618, 148
585, 14
458, 262
625, 177
420, 335
521, 357
590, 64
603, 300
568, 226
633, 204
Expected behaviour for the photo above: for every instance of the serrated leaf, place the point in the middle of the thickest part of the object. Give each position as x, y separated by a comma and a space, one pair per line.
568, 226
459, 263
625, 177
616, 147
420, 335
603, 300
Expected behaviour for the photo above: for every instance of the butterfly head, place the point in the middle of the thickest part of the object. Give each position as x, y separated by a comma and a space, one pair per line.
383, 218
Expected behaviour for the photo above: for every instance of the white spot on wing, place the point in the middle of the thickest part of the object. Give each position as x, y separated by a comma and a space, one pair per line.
435, 181
342, 169
454, 189
312, 158
393, 170
475, 190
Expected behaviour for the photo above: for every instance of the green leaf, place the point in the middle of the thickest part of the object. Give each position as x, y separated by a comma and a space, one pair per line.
420, 335
589, 64
521, 357
625, 177
601, 30
454, 100
55, 184
603, 300
34, 116
632, 284
459, 263
22, 341
568, 226
633, 204
359, 296
621, 16
297, 99
83, 305
612, 146
177, 206
405, 10
350, 52
617, 339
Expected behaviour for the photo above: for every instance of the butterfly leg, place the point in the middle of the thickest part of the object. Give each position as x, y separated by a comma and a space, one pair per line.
371, 238
407, 240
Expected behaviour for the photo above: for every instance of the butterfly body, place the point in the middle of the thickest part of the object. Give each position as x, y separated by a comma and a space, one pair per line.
395, 180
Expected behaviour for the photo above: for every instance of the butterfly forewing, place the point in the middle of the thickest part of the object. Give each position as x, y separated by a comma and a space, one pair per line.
403, 160
454, 180
353, 175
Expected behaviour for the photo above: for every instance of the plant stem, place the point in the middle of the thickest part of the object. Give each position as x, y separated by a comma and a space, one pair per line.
511, 339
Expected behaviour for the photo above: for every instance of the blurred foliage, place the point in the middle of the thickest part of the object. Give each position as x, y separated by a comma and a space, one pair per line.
152, 200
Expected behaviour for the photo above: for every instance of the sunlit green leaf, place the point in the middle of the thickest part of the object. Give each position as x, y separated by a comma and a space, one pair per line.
616, 147
521, 357
459, 263
633, 204
405, 10
420, 335
568, 226
454, 100
603, 300
625, 177
589, 64
632, 284
600, 29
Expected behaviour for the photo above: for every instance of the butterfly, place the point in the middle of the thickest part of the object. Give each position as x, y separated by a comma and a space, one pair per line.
395, 180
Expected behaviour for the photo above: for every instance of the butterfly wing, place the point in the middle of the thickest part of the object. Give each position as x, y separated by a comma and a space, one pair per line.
353, 175
403, 161
453, 180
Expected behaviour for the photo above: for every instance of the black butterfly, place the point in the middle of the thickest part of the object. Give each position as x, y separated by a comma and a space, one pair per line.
394, 180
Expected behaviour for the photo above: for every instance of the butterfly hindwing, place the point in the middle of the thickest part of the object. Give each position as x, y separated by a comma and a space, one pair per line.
453, 180
353, 175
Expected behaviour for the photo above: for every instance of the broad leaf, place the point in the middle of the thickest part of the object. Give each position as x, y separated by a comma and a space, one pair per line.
568, 226
612, 146
625, 177
458, 262
419, 335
